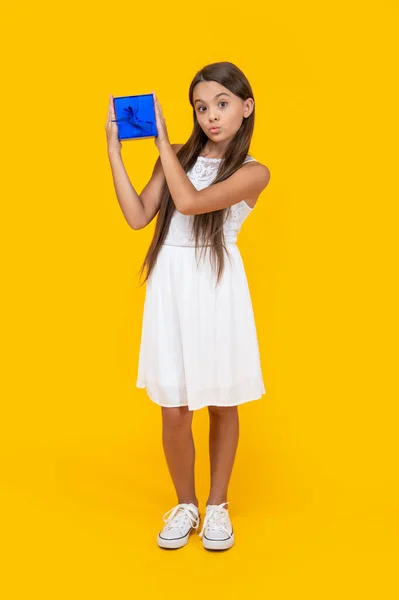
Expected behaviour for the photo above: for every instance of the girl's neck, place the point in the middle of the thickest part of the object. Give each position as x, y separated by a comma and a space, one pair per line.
211, 152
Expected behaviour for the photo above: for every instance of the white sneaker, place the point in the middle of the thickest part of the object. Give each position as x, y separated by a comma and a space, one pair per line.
217, 531
179, 524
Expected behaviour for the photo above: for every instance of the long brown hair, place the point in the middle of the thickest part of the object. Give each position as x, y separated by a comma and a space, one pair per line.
207, 227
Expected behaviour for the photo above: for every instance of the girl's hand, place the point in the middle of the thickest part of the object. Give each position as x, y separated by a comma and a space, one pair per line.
161, 124
111, 129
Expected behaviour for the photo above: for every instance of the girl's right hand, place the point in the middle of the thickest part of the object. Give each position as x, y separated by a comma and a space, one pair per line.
111, 129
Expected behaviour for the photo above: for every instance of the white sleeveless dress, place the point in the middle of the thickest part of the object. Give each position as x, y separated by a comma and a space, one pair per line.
199, 344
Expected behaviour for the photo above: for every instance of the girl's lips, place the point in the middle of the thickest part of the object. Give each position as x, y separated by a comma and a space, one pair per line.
214, 129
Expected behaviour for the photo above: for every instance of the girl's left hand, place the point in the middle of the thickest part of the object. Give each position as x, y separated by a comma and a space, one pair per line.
162, 136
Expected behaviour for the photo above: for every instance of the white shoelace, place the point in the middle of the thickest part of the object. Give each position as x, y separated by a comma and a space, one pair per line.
179, 515
216, 520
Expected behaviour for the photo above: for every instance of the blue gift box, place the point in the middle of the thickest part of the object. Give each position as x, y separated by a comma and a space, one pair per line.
135, 116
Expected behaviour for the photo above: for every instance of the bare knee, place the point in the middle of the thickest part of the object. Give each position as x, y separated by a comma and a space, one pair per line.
176, 416
223, 411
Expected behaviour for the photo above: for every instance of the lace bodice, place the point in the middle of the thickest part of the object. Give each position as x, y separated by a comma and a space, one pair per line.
201, 174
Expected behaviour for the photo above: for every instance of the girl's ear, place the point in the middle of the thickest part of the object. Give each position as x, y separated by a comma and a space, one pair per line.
249, 103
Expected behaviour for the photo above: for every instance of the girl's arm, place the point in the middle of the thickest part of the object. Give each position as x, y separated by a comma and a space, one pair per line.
129, 201
138, 210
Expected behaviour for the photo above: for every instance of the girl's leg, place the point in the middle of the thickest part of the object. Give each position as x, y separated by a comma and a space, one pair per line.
178, 444
223, 441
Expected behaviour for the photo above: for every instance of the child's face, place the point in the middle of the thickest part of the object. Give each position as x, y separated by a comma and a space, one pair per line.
218, 106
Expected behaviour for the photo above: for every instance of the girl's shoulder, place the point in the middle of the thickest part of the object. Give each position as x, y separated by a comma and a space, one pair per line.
250, 160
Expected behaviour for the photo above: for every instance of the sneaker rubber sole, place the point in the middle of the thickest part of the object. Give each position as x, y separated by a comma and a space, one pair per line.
174, 543
217, 544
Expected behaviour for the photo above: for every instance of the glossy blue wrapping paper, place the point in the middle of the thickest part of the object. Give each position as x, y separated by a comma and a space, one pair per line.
135, 116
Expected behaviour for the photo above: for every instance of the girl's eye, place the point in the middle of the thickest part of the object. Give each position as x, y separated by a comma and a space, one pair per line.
222, 102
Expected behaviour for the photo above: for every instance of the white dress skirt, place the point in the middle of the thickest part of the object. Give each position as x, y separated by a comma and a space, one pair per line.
199, 343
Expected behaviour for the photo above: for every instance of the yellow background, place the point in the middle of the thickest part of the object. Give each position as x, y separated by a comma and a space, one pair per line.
84, 483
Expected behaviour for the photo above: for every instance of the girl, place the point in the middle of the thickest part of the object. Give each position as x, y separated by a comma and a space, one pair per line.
199, 344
